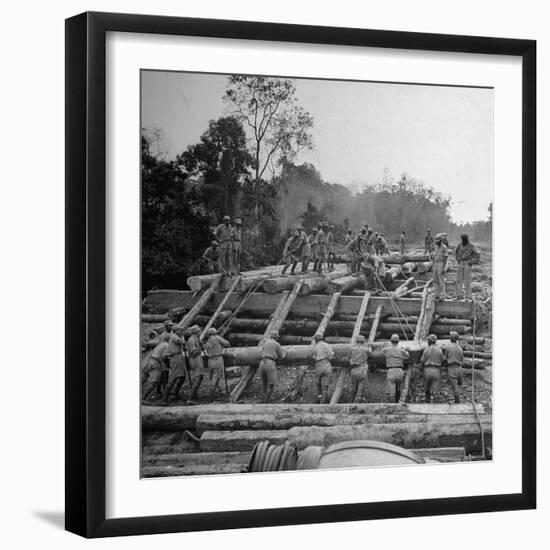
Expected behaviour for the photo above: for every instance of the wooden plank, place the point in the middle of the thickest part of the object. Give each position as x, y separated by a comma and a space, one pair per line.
219, 309
241, 440
262, 304
187, 319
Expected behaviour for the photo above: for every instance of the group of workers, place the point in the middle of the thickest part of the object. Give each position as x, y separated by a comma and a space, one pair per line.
224, 252
172, 360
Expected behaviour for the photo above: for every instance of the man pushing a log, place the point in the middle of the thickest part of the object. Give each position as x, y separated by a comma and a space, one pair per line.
395, 362
154, 367
214, 351
178, 372
454, 357
322, 354
432, 361
196, 363
271, 351
359, 355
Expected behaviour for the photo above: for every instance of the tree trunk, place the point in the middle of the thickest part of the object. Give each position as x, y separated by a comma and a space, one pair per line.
219, 309
187, 319
343, 284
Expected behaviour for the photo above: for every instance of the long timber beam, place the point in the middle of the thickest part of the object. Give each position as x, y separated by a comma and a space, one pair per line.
312, 305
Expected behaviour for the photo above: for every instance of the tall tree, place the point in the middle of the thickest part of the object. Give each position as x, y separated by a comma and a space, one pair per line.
279, 127
222, 162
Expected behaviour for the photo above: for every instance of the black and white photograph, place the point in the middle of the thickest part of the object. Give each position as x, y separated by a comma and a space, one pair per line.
316, 272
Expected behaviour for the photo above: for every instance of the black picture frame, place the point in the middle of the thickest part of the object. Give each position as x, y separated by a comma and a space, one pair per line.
86, 284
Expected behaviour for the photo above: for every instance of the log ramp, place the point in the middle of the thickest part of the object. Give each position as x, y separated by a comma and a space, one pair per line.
214, 439
227, 433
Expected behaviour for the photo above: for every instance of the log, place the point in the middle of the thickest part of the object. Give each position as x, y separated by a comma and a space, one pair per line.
448, 321
356, 331
154, 318
256, 421
409, 267
426, 314
276, 323
251, 369
398, 259
219, 309
402, 289
314, 285
157, 419
424, 267
375, 323
220, 319
321, 329
442, 454
478, 354
188, 318
262, 304
343, 284
392, 273
408, 435
169, 470
201, 282
240, 440
278, 284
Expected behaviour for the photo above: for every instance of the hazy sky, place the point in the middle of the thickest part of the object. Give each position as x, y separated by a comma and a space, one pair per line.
440, 135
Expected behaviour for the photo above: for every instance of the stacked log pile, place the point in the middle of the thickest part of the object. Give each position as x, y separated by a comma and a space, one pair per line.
224, 435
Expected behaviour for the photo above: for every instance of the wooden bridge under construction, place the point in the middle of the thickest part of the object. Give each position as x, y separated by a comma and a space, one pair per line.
340, 305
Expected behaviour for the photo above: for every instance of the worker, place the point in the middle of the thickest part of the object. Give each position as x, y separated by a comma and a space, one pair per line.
331, 248
454, 357
358, 360
195, 358
154, 368
212, 257
355, 246
466, 256
306, 251
168, 326
314, 247
440, 254
321, 247
236, 236
292, 251
428, 241
322, 355
369, 242
271, 350
348, 237
432, 361
224, 236
214, 347
444, 239
178, 371
402, 247
395, 363
378, 244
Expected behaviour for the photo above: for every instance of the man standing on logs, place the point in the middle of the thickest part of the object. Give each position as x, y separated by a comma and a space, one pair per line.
154, 368
331, 248
322, 354
466, 256
321, 248
214, 351
178, 373
402, 247
271, 351
454, 357
212, 258
395, 362
432, 361
440, 254
236, 235
292, 251
306, 251
355, 246
314, 247
428, 241
196, 364
224, 235
359, 355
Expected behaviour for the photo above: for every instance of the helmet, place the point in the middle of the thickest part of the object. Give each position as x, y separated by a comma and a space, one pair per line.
211, 331
360, 339
214, 243
226, 218
454, 335
432, 338
274, 334
332, 226
438, 237
238, 221
394, 338
168, 323
194, 329
428, 229
318, 336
